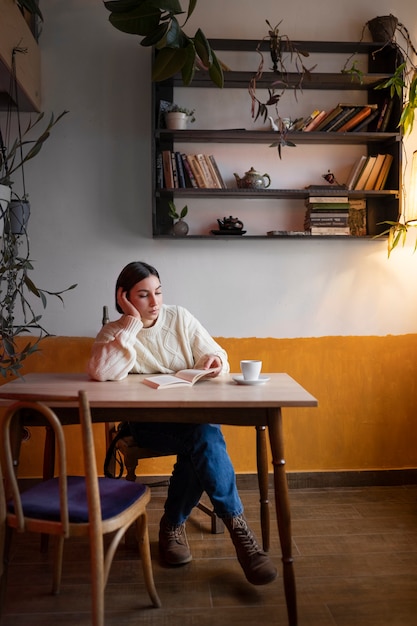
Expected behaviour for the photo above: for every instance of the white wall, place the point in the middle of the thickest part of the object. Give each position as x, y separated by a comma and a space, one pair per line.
90, 191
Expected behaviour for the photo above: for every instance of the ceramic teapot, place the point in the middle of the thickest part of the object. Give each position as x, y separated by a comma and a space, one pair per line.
230, 223
253, 180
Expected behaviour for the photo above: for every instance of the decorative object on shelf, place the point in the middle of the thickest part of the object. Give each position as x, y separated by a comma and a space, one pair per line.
157, 23
176, 117
17, 290
253, 180
330, 178
179, 228
228, 224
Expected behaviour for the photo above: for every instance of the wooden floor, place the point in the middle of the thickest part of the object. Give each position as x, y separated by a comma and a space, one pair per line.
355, 565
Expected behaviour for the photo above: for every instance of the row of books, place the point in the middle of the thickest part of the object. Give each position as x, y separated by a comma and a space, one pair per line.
177, 170
346, 118
335, 216
370, 172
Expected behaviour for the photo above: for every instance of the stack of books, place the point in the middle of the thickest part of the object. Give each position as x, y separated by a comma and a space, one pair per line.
327, 215
370, 172
342, 118
176, 170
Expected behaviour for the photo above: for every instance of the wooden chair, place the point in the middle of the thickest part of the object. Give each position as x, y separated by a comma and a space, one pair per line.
73, 506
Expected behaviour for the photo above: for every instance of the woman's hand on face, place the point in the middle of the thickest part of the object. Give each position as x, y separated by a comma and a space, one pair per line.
209, 361
126, 306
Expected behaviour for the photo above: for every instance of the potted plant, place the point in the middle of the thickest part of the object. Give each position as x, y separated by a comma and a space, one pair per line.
176, 117
177, 52
388, 30
180, 227
18, 292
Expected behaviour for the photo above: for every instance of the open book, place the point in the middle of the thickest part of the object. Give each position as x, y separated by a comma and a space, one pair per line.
183, 377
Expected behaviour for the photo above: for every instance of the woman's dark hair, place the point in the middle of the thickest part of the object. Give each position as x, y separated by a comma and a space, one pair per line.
131, 274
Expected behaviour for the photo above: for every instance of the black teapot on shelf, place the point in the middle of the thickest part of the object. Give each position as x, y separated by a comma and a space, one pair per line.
229, 226
230, 223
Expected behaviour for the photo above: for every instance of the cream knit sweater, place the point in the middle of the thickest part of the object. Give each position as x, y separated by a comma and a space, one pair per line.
176, 341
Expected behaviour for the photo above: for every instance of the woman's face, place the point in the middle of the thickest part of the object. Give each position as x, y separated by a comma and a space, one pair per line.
146, 297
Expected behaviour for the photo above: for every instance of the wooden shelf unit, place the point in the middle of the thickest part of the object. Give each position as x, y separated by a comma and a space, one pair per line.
381, 205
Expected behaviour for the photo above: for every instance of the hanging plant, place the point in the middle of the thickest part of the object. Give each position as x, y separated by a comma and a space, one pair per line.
19, 296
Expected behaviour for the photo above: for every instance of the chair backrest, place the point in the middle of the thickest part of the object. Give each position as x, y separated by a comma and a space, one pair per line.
39, 404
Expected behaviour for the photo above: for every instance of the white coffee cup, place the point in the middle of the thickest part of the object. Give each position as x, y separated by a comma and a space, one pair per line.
250, 369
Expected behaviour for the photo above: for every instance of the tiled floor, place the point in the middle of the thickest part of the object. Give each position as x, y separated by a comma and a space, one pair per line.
355, 565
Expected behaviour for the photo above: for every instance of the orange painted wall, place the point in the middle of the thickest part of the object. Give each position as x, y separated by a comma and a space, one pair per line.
366, 388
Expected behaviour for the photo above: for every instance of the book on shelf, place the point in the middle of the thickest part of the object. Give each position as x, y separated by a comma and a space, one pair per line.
312, 125
363, 126
336, 209
209, 183
174, 170
357, 217
159, 171
182, 182
355, 172
196, 170
167, 167
387, 116
362, 114
217, 171
372, 178
187, 377
384, 115
331, 114
327, 199
330, 230
383, 174
188, 172
340, 119
365, 172
304, 122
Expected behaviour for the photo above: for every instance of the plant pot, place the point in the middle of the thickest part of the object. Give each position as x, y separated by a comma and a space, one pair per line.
5, 195
18, 217
176, 121
382, 28
180, 228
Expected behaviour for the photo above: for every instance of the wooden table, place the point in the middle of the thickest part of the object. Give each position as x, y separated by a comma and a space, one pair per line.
216, 401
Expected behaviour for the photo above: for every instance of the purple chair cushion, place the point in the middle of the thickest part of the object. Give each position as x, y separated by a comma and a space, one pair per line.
42, 500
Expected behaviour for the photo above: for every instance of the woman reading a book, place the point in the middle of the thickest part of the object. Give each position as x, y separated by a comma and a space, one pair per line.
151, 337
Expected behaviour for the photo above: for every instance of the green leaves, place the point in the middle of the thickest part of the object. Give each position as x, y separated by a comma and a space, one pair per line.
173, 211
156, 21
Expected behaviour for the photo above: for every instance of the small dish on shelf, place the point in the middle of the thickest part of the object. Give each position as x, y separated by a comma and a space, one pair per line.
226, 233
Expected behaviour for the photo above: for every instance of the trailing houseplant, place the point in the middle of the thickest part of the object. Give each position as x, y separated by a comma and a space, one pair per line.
283, 53
156, 21
18, 292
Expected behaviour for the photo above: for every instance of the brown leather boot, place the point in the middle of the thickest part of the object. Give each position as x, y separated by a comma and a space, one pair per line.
173, 544
258, 568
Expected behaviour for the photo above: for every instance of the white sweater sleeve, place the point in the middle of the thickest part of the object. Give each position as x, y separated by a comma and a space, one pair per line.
113, 354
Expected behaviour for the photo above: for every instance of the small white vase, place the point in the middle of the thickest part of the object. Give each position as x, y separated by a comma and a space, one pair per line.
176, 121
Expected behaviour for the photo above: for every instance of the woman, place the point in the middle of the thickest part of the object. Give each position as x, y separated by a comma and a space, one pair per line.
151, 337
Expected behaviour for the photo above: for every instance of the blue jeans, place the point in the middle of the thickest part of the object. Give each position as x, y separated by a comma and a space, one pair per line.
203, 464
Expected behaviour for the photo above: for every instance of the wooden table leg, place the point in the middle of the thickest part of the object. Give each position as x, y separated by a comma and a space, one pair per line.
282, 505
262, 465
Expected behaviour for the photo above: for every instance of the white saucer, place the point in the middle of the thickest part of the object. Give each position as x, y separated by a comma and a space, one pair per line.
259, 381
